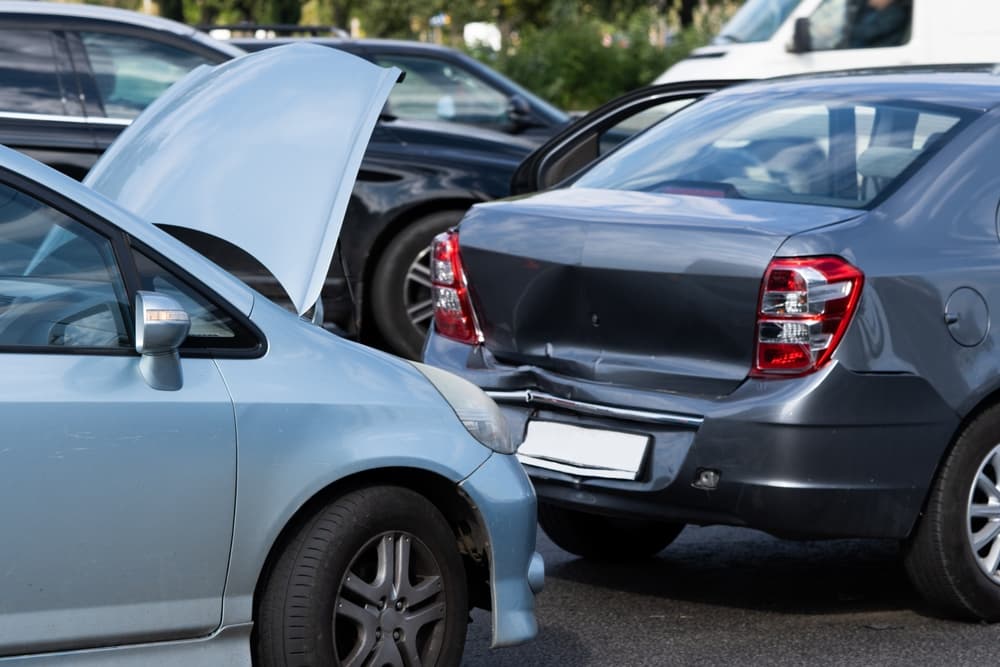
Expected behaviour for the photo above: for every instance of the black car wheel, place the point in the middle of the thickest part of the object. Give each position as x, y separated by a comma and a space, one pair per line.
401, 298
606, 538
953, 557
374, 578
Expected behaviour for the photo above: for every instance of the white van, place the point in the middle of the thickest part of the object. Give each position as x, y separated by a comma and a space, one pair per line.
776, 37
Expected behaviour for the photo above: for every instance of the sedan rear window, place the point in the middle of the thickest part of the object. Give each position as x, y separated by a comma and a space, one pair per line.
821, 151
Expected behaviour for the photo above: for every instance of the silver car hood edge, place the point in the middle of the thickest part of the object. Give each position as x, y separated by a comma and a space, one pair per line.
261, 151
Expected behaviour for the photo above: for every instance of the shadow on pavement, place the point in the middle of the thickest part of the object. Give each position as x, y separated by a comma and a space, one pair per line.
553, 646
750, 570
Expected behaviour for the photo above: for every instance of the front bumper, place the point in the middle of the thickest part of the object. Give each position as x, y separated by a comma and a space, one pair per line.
833, 454
506, 503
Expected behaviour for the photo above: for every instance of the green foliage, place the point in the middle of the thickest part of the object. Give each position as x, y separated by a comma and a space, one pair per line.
581, 61
576, 53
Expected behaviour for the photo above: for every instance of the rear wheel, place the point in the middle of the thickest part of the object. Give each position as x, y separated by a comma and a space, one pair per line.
953, 557
373, 578
401, 297
600, 537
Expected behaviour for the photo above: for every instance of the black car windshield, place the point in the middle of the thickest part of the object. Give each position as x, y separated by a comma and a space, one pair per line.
756, 21
779, 147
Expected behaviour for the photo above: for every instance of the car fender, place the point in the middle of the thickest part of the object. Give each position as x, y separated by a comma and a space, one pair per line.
315, 410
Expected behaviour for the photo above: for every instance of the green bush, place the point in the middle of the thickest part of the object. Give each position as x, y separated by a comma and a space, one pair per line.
580, 62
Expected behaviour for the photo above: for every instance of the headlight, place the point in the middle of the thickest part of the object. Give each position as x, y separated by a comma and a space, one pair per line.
477, 411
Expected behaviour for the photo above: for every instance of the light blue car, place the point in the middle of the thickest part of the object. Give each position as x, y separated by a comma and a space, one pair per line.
191, 475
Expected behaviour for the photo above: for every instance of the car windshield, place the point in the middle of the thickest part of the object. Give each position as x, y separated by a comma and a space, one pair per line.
780, 147
756, 21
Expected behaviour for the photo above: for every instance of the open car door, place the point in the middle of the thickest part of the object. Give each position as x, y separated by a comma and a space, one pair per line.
601, 130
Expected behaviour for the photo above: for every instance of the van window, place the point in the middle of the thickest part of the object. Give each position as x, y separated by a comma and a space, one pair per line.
860, 24
756, 21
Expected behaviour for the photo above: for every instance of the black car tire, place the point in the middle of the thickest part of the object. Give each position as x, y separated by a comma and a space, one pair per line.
938, 556
605, 538
391, 286
296, 623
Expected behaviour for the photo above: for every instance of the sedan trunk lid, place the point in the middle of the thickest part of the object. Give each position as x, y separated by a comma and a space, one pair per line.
629, 288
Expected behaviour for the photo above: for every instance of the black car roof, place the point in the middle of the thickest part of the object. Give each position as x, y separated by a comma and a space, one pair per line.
394, 44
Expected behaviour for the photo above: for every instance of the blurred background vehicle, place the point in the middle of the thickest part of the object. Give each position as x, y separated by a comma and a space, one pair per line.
72, 77
776, 37
441, 84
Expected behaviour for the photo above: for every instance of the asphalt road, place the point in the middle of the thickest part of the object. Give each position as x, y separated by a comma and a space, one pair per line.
734, 596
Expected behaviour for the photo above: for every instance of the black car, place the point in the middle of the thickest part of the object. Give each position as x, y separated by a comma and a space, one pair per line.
73, 76
773, 309
443, 84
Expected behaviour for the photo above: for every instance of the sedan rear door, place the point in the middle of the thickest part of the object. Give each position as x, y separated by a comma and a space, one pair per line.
601, 130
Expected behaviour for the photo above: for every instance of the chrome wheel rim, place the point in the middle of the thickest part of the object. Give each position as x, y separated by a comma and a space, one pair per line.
983, 516
418, 296
390, 608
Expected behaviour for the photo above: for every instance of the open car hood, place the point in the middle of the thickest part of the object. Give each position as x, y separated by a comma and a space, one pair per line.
261, 151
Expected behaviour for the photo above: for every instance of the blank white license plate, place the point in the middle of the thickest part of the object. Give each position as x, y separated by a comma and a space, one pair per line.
587, 452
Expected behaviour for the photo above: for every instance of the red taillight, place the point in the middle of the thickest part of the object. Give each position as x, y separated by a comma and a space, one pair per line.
453, 314
805, 306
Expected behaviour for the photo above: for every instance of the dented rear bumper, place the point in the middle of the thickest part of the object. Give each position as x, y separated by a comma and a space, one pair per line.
833, 454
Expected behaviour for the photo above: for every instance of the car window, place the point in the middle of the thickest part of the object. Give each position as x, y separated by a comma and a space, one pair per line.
638, 122
29, 79
211, 325
756, 21
439, 90
860, 24
132, 72
60, 286
772, 148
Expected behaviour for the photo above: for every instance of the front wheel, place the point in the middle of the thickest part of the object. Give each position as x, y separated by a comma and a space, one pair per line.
600, 537
374, 578
953, 556
401, 298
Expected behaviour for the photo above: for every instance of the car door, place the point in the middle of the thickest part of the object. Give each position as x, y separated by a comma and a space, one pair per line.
116, 500
601, 130
41, 113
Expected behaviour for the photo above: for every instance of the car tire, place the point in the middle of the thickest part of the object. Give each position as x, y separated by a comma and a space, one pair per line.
400, 298
605, 538
940, 556
329, 601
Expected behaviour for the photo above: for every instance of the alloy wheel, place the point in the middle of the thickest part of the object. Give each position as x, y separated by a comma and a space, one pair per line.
390, 608
418, 296
983, 515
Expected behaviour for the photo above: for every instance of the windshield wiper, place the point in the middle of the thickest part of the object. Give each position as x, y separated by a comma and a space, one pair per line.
728, 38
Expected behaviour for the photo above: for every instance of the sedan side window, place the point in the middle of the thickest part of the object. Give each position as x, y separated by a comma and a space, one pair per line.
439, 90
60, 287
29, 78
132, 72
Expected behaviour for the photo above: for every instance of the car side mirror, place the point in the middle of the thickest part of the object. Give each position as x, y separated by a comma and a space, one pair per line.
801, 37
161, 325
519, 112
